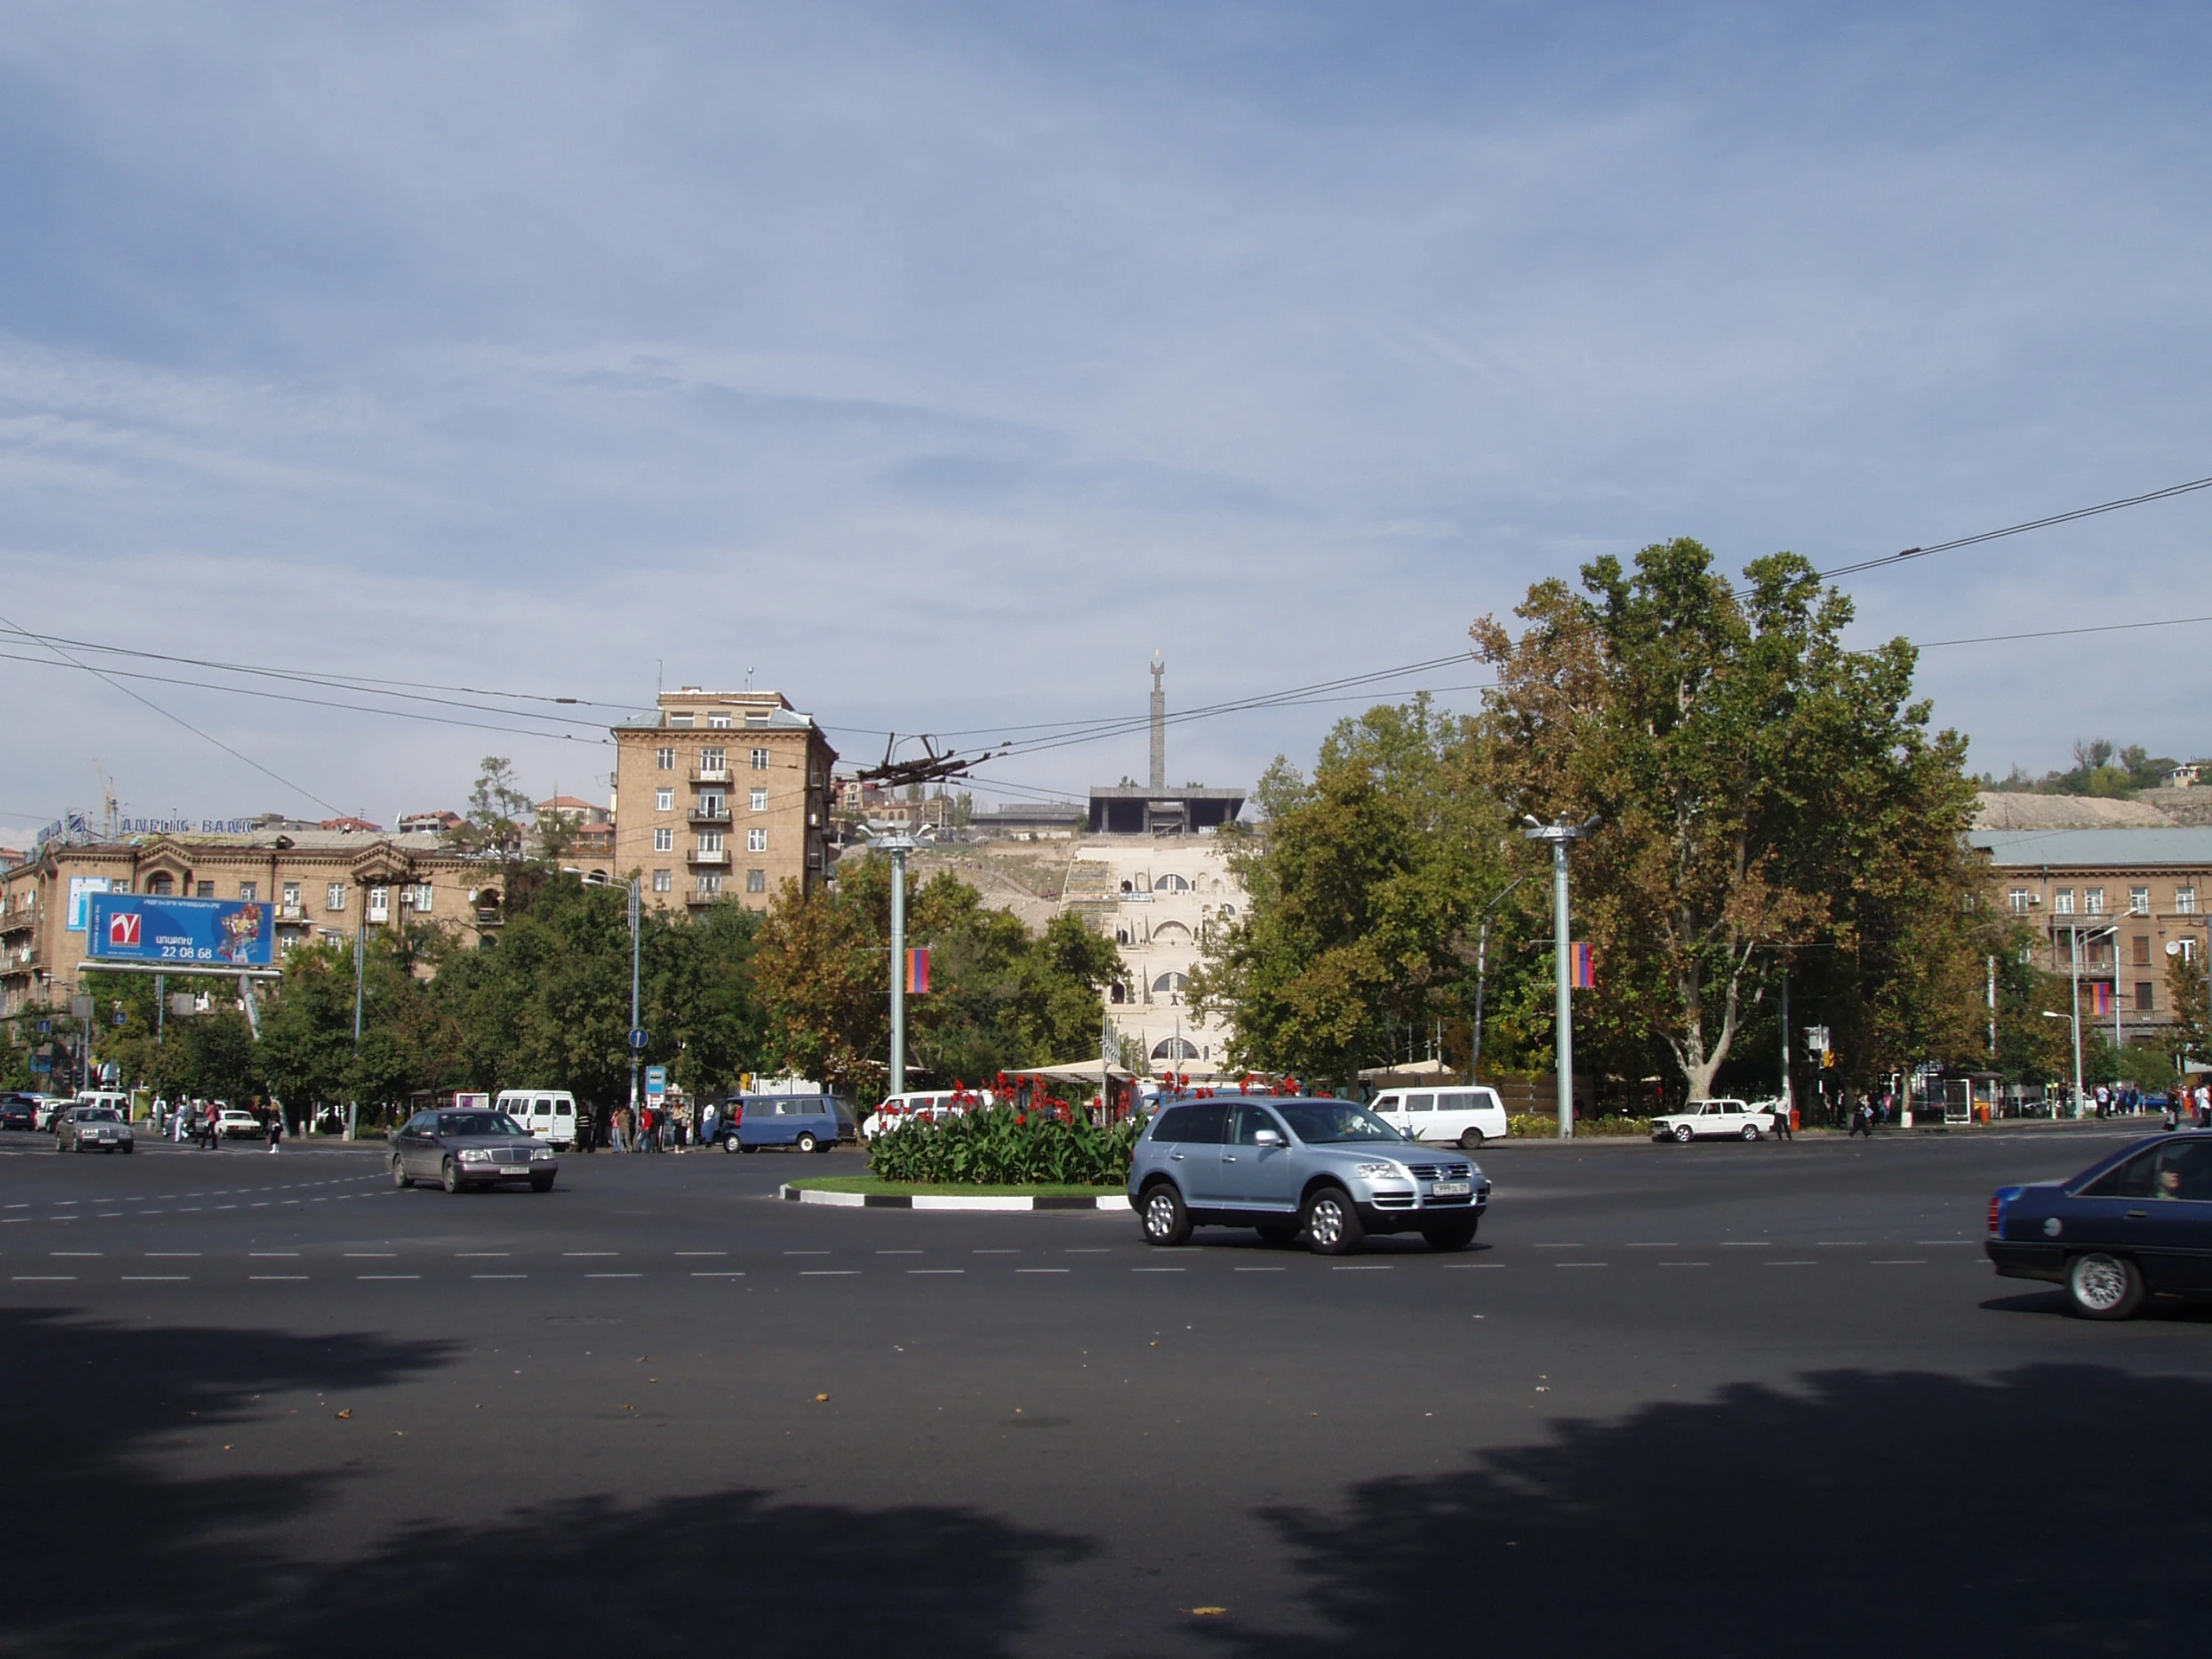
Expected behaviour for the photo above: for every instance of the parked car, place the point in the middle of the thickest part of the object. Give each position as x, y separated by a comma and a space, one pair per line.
926, 1106
1461, 1117
46, 1105
1325, 1170
2135, 1223
549, 1114
803, 1122
466, 1149
236, 1123
18, 1111
82, 1128
1710, 1119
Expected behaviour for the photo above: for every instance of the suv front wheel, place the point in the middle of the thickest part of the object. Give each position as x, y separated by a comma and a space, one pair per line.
1165, 1221
1332, 1222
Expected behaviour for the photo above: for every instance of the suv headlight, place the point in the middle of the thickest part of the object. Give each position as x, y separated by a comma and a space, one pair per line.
1379, 1172
541, 1154
475, 1155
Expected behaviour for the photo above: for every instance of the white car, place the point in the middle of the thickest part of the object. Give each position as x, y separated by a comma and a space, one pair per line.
1465, 1118
926, 1106
1709, 1119
234, 1123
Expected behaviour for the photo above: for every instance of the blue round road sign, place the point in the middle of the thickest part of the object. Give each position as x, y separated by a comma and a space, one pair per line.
638, 1038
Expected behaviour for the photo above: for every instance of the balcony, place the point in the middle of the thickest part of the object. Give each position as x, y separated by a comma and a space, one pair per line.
695, 898
709, 818
718, 858
710, 775
293, 911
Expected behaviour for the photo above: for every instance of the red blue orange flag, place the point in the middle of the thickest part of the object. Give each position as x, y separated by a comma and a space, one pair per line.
917, 972
2101, 998
1581, 967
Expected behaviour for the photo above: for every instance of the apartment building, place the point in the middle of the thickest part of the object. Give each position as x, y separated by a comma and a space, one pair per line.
324, 886
2129, 902
722, 795
1158, 899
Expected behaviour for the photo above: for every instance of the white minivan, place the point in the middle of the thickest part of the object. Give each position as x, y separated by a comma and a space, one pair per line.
1468, 1116
549, 1114
924, 1106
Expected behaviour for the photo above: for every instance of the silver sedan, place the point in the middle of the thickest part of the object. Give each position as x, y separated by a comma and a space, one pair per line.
469, 1148
82, 1128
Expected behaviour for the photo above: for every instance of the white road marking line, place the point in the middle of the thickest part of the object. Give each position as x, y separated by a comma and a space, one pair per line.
806, 1253
108, 1215
1086, 1250
82, 1255
995, 1253
43, 1277
591, 1253
827, 1273
1900, 1262
935, 1269
170, 1254
1044, 1270
275, 1279
718, 1273
387, 1275
1662, 1244
898, 1253
614, 1276
157, 1279
1685, 1264
1159, 1269
682, 1253
1369, 1267
481, 1255
1923, 1243
272, 1255
1840, 1243
499, 1276
1746, 1244
1558, 1246
371, 1255
1806, 1264
1261, 1270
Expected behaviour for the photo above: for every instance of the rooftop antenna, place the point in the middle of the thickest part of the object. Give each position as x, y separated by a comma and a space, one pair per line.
749, 680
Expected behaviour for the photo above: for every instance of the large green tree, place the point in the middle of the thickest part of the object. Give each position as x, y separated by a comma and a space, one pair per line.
1365, 888
1759, 791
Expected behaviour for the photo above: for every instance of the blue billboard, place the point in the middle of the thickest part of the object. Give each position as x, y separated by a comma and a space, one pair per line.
157, 928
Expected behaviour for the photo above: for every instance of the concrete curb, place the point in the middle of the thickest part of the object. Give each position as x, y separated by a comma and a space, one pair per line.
908, 1201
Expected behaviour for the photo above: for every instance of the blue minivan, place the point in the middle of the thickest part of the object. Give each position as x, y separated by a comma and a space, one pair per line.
807, 1122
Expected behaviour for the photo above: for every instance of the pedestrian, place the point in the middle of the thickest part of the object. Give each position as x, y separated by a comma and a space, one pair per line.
180, 1123
614, 1129
1862, 1121
275, 1128
2173, 1113
210, 1141
1782, 1129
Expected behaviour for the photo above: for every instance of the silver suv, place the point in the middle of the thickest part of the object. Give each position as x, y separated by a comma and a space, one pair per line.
1326, 1170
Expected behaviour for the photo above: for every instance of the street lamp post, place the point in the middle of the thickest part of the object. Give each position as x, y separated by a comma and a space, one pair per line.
1560, 834
1481, 962
899, 845
2073, 953
599, 879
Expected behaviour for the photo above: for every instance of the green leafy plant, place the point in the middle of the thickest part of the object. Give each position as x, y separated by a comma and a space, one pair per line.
1047, 1142
1543, 1126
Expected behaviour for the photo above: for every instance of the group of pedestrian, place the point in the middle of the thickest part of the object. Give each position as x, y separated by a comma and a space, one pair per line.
648, 1128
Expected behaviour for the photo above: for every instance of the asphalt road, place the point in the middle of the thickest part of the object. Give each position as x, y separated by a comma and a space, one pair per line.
1716, 1399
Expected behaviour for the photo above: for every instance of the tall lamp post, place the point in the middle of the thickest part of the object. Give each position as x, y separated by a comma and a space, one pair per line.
1560, 834
899, 845
1481, 962
2074, 937
597, 879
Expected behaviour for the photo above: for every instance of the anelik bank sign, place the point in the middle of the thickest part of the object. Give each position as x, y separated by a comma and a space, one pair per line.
184, 827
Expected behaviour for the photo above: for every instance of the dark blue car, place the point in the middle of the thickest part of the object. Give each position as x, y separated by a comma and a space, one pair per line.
2133, 1225
803, 1122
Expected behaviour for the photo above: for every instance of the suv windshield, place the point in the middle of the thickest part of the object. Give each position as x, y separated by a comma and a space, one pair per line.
1320, 1122
478, 1123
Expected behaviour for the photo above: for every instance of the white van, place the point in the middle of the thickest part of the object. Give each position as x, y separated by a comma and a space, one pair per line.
924, 1106
1468, 1116
549, 1114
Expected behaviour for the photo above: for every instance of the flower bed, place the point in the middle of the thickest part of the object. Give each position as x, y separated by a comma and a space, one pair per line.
1049, 1143
1544, 1126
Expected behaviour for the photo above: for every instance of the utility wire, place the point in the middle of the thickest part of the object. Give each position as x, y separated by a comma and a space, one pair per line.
179, 719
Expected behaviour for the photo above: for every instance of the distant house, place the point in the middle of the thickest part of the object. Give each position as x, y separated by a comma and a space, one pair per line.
429, 823
575, 813
2187, 775
353, 825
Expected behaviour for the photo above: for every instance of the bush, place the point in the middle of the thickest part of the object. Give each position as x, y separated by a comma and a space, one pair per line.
1051, 1142
1544, 1126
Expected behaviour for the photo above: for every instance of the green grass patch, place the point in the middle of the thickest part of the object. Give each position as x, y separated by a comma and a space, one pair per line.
923, 1189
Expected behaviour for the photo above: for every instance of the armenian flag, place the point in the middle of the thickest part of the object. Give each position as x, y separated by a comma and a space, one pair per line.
917, 971
1581, 967
2101, 998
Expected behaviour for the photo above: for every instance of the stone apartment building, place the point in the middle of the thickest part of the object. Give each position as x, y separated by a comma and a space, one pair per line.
2131, 900
324, 885
1157, 899
722, 795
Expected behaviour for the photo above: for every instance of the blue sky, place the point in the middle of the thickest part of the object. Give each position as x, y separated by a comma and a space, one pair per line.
939, 363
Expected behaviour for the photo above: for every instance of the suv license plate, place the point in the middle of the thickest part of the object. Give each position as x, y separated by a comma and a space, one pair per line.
1452, 1189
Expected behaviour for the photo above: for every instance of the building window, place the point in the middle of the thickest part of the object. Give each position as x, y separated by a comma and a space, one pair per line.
421, 903
379, 904
203, 890
714, 759
681, 723
1175, 1048
710, 884
160, 884
710, 840
759, 760
756, 840
665, 759
2142, 951
2138, 902
664, 840
249, 890
718, 718
334, 899
711, 806
663, 881
2092, 901
2061, 902
2144, 1004
756, 881
2188, 950
2017, 899
755, 717
760, 800
2185, 901
292, 898
664, 800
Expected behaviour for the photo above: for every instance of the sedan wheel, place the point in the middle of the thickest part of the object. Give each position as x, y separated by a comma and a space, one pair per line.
449, 1176
1331, 1224
1681, 1132
399, 1175
1470, 1141
1750, 1132
1165, 1221
806, 1143
2102, 1286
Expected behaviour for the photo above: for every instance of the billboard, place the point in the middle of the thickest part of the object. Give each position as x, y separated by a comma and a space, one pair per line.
81, 890
158, 927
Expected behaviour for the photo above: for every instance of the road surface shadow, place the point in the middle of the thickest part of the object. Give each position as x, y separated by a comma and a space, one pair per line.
108, 1557
2051, 1511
